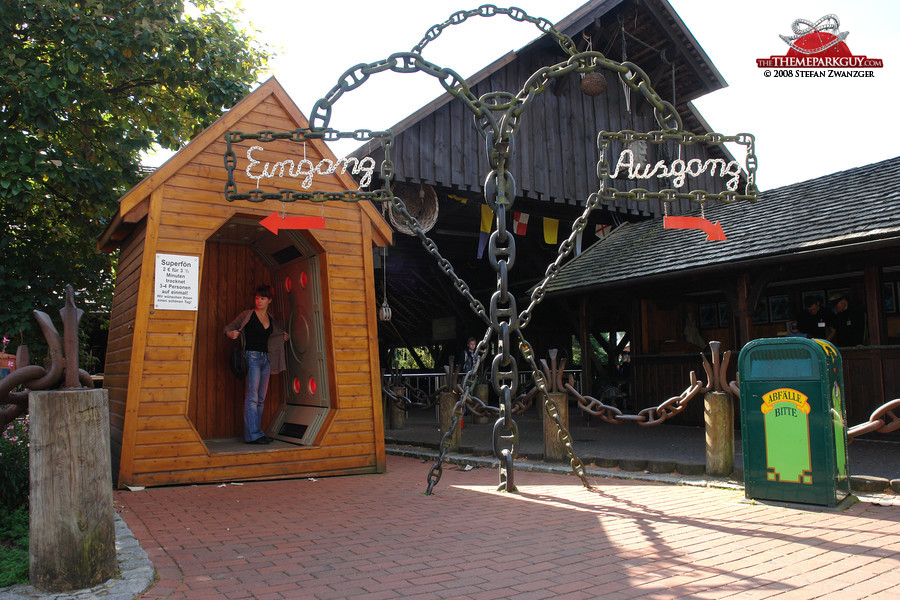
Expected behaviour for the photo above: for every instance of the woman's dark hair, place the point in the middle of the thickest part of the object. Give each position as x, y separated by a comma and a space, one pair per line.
266, 291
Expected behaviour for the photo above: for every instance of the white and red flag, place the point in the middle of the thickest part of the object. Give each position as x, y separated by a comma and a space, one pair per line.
520, 223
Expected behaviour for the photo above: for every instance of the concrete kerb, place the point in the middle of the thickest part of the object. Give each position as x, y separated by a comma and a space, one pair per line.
696, 480
136, 575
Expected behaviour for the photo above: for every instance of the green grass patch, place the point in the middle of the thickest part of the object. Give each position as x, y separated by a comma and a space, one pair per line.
13, 546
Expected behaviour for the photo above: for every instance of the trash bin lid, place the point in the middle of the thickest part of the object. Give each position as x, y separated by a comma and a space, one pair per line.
794, 358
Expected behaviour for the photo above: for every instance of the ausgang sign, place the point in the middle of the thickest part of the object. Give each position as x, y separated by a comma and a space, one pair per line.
673, 174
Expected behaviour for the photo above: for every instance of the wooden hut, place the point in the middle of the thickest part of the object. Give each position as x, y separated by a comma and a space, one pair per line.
671, 291
175, 408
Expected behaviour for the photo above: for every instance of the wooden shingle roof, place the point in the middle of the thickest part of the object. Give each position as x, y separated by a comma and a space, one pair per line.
847, 211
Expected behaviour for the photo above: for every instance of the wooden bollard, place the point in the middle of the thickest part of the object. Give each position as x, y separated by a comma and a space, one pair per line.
72, 541
397, 415
447, 401
554, 449
482, 393
718, 415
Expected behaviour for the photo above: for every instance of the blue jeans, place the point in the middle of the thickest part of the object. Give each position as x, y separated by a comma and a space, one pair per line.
257, 383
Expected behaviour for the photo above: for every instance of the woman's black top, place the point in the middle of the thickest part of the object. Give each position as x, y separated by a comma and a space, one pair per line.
256, 337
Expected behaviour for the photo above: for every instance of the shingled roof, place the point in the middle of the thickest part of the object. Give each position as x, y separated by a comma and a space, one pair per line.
849, 210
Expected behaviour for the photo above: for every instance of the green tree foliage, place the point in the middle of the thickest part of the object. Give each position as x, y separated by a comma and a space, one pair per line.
87, 86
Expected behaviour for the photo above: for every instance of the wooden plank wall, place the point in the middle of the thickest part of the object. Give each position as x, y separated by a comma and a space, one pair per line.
555, 147
168, 446
121, 337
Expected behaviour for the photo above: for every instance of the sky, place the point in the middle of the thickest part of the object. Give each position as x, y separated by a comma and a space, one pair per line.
804, 127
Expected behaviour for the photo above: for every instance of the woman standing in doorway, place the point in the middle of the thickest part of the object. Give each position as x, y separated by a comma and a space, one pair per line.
264, 349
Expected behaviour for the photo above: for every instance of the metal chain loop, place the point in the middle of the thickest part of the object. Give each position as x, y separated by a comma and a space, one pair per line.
434, 474
489, 10
646, 417
879, 420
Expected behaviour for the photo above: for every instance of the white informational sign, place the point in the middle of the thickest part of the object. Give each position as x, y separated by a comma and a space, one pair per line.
177, 282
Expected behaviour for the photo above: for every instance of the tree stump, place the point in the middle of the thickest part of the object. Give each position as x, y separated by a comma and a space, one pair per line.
719, 418
447, 402
482, 392
554, 449
72, 530
397, 414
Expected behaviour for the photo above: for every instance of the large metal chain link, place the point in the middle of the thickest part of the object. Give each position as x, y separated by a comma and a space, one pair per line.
434, 474
646, 417
489, 10
878, 421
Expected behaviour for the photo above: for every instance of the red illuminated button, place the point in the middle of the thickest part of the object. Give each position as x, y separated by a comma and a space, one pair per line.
312, 385
296, 385
303, 279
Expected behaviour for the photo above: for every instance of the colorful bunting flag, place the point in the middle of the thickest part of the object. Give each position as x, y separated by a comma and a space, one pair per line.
483, 238
602, 230
487, 219
520, 223
551, 229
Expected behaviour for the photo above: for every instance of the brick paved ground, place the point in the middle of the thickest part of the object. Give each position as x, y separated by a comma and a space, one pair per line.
379, 537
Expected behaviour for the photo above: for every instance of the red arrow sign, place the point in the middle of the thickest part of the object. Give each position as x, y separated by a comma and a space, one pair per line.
713, 232
273, 223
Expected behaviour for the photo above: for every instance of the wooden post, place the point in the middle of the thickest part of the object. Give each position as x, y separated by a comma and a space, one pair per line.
874, 307
397, 415
482, 392
718, 412
554, 449
447, 401
72, 530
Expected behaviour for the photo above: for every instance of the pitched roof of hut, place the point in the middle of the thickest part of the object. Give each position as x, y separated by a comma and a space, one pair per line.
133, 204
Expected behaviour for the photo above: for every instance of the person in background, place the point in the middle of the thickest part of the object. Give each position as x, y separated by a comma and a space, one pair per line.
815, 320
264, 349
849, 322
467, 357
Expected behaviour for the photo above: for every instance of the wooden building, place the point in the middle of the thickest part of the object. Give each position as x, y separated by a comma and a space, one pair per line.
175, 408
671, 291
440, 165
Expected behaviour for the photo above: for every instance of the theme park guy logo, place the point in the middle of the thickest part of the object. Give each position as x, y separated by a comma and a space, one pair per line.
818, 45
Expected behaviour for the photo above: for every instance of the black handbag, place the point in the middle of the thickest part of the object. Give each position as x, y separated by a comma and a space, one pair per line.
237, 362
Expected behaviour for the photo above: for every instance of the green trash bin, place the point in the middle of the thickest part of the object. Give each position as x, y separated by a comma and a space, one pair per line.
793, 421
